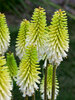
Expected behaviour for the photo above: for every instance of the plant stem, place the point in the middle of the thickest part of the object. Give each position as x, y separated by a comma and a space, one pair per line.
53, 82
45, 84
33, 97
26, 98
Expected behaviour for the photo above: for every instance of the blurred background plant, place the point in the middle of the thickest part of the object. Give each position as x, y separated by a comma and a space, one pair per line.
21, 6
16, 11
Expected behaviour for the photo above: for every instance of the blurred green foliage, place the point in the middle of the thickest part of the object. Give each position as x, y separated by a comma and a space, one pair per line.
17, 6
26, 6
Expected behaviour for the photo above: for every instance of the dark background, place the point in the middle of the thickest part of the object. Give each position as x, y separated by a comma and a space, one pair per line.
16, 11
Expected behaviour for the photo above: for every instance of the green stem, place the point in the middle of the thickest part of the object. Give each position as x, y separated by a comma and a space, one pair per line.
26, 98
53, 82
45, 84
33, 97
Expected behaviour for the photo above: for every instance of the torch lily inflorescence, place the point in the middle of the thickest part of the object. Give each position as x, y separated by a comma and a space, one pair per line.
37, 30
5, 81
4, 34
28, 72
21, 39
58, 41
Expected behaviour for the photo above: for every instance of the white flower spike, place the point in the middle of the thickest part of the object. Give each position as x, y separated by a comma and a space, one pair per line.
4, 34
28, 72
5, 81
58, 41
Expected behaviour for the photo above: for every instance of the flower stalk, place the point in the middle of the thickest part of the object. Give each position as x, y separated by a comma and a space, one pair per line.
33, 97
53, 82
45, 84
26, 98
49, 84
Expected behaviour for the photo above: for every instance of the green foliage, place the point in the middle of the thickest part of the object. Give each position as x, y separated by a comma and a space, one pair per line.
49, 84
21, 38
28, 72
12, 6
5, 81
12, 65
17, 7
4, 34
